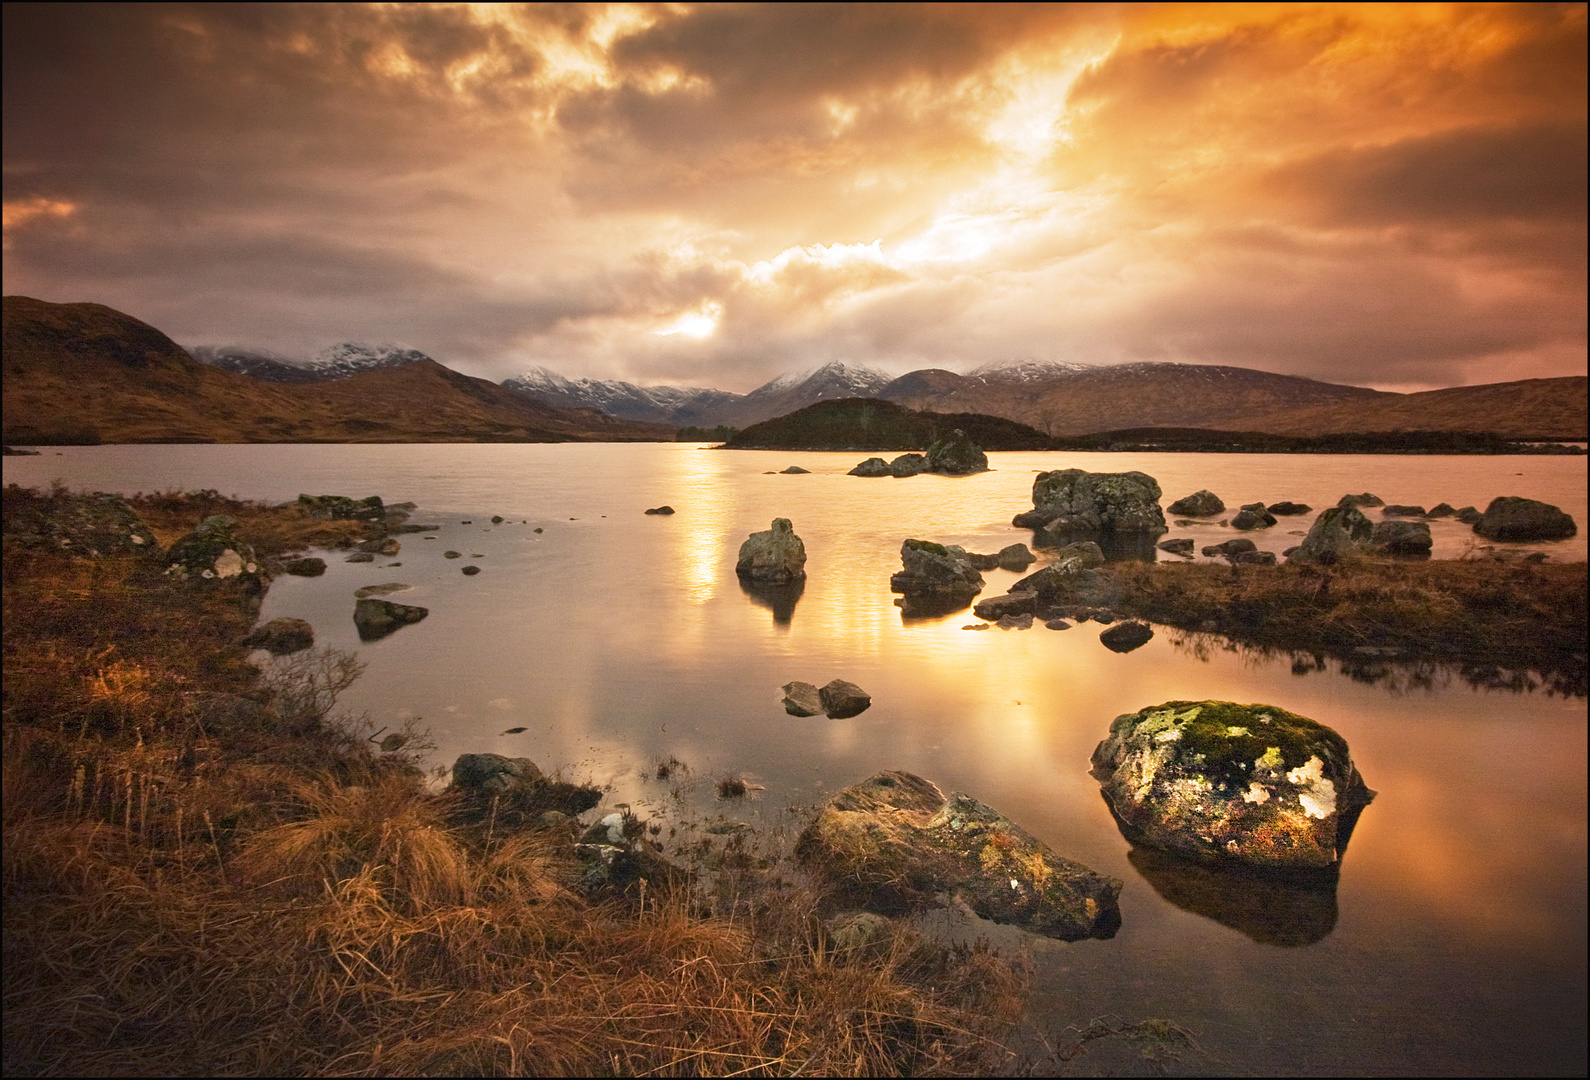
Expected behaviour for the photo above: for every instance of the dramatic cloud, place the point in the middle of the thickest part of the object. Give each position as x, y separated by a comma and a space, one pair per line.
1386, 195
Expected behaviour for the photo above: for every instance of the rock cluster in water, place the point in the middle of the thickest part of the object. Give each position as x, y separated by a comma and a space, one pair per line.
1072, 503
837, 700
1219, 782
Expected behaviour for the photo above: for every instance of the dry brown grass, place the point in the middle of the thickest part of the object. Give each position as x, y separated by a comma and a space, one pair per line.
195, 896
1470, 611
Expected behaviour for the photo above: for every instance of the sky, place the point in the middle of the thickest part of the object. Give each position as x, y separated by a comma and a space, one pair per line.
710, 195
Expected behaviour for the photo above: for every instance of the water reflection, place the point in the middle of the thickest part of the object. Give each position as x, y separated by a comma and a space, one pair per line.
781, 599
1270, 910
920, 608
1388, 669
1124, 547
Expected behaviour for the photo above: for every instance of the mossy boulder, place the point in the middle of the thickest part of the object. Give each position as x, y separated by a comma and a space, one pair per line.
936, 570
911, 464
1339, 530
213, 551
92, 525
342, 508
1511, 518
1408, 539
873, 466
1203, 503
282, 636
894, 843
955, 455
375, 619
1218, 782
774, 557
1075, 503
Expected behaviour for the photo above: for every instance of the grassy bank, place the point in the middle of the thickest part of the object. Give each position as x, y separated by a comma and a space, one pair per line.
1491, 618
208, 870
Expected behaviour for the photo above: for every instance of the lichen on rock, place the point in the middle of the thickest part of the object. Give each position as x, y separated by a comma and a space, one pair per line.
1220, 782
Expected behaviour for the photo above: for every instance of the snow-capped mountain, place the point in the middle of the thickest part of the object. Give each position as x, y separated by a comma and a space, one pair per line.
337, 362
697, 406
1025, 370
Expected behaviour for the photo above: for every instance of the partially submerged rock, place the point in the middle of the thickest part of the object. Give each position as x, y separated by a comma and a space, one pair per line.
1214, 781
1181, 545
894, 842
485, 775
1396, 510
1253, 516
873, 466
1126, 636
937, 571
801, 699
1204, 503
1074, 503
776, 556
1409, 539
794, 470
309, 566
908, 465
955, 455
378, 618
1339, 530
842, 699
282, 636
342, 508
1511, 518
662, 510
1288, 509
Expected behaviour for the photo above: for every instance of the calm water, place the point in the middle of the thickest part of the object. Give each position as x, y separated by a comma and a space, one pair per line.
1456, 942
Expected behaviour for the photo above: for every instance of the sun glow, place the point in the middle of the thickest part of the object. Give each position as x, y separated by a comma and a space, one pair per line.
697, 324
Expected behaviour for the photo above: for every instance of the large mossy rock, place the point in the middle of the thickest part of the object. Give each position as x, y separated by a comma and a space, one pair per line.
1202, 503
894, 843
1407, 539
1075, 503
92, 525
1218, 782
1511, 518
774, 557
213, 551
955, 455
936, 571
1339, 530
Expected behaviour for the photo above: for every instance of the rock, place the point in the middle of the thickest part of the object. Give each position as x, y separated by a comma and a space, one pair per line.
1057, 624
1512, 518
894, 843
955, 455
1288, 509
873, 466
802, 699
342, 508
380, 546
617, 854
305, 567
362, 556
1071, 502
384, 589
1405, 538
1218, 782
934, 570
1014, 621
1203, 503
982, 562
1181, 545
775, 557
908, 465
1230, 547
859, 934
1402, 511
452, 554
1338, 530
90, 525
841, 699
485, 775
1253, 516
213, 551
1365, 499
1071, 578
471, 571
378, 618
1017, 557
1254, 558
665, 510
1440, 510
993, 608
793, 469
282, 636
496, 519
1468, 515
1126, 636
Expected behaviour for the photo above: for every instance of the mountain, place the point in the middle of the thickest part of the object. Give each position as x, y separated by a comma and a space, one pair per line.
694, 406
866, 424
337, 362
677, 405
89, 373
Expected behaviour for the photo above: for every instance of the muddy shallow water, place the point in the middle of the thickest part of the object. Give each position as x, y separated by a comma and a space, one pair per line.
1454, 943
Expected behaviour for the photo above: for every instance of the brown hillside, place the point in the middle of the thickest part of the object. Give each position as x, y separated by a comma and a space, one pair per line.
1529, 408
86, 372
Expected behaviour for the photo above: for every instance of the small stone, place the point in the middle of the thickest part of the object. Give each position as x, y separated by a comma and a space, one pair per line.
1126, 636
802, 699
842, 699
471, 571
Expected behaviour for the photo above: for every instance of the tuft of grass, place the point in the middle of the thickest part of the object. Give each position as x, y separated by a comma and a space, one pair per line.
732, 787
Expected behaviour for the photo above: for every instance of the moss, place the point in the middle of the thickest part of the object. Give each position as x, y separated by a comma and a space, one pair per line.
928, 546
1230, 737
